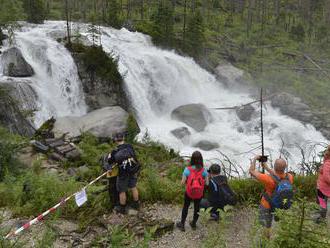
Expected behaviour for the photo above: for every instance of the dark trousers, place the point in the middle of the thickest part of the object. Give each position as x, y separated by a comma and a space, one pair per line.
185, 209
205, 203
113, 193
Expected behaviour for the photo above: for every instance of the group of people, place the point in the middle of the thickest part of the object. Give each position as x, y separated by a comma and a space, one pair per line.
200, 182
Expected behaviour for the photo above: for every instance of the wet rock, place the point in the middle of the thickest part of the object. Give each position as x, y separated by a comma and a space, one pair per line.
99, 92
181, 132
196, 116
245, 113
14, 64
102, 123
73, 155
206, 145
228, 73
17, 98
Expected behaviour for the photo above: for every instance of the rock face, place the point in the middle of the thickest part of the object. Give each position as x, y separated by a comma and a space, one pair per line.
14, 64
16, 98
295, 108
98, 92
206, 145
103, 123
196, 116
245, 113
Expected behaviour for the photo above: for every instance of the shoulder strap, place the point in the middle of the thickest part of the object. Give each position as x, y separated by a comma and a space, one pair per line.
215, 185
276, 178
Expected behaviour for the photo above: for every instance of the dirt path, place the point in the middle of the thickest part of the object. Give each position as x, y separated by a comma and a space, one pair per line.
237, 234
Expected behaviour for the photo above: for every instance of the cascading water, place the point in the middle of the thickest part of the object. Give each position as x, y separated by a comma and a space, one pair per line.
157, 82
56, 81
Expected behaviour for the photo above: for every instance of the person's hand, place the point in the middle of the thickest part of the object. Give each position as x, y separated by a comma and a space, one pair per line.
257, 158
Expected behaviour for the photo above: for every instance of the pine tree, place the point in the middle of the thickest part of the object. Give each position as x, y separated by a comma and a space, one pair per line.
10, 12
113, 14
35, 10
164, 24
195, 37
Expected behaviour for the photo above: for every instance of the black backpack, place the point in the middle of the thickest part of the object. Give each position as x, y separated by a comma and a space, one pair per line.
225, 191
126, 160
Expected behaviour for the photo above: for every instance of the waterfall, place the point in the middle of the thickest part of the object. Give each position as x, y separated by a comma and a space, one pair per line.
56, 81
158, 81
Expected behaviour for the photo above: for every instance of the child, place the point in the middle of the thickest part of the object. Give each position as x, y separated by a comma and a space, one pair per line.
194, 177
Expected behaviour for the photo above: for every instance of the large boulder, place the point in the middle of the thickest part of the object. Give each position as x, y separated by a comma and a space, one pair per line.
206, 145
103, 123
245, 113
293, 107
196, 116
17, 99
99, 92
14, 64
229, 73
181, 132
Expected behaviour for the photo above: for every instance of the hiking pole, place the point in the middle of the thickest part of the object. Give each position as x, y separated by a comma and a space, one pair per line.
263, 158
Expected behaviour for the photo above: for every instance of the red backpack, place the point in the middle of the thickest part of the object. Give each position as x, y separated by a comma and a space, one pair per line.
195, 184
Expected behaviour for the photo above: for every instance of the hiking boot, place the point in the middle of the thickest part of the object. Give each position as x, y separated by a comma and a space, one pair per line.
135, 205
120, 209
180, 226
193, 225
214, 217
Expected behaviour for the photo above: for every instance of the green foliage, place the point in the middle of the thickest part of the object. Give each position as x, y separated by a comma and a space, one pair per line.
10, 145
99, 63
296, 228
30, 194
10, 12
297, 33
114, 14
216, 236
155, 188
132, 129
35, 10
195, 35
48, 238
164, 24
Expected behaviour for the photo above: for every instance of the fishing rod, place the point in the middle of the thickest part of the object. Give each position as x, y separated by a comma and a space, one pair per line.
263, 158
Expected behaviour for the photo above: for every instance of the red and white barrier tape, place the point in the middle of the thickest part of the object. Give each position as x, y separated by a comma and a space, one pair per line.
41, 216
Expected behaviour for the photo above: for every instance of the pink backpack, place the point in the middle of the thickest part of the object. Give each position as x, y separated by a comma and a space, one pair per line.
195, 184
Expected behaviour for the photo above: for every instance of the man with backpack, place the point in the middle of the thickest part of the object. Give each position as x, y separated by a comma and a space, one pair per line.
219, 192
125, 158
278, 190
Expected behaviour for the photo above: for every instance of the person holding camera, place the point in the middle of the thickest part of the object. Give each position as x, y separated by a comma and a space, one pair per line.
278, 189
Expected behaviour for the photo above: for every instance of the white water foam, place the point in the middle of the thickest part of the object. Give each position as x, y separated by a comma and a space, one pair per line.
157, 82
56, 79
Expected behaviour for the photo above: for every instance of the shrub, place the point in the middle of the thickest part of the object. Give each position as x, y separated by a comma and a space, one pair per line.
296, 228
10, 144
30, 194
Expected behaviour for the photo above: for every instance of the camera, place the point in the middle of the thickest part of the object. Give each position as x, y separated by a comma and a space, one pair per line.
263, 159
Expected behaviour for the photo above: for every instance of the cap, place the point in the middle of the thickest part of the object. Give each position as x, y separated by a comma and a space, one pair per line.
215, 169
118, 137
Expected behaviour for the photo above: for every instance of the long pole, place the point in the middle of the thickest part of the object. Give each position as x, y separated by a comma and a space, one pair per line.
262, 129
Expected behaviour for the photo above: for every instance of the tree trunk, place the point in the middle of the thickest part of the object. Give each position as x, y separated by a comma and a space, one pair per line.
67, 16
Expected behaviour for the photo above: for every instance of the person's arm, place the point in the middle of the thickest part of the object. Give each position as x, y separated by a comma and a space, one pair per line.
269, 170
253, 171
183, 180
